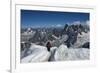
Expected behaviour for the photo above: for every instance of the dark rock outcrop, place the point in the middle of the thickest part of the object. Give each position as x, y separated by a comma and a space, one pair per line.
86, 45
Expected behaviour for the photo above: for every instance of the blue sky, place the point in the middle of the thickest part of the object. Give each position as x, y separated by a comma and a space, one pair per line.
32, 18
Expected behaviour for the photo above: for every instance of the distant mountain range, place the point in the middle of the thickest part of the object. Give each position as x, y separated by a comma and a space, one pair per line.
67, 35
72, 42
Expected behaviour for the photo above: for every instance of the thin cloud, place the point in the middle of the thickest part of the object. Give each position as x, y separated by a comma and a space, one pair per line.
58, 25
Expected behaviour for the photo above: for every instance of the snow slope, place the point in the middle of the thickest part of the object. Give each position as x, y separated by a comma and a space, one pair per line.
61, 53
38, 54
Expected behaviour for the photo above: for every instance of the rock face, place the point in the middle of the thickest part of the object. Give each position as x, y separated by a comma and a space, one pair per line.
86, 45
73, 32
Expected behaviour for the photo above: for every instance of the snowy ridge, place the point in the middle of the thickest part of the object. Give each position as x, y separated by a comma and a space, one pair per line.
38, 54
61, 53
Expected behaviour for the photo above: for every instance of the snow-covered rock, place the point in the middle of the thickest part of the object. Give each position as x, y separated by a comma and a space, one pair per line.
27, 35
82, 39
63, 53
38, 54
52, 51
59, 40
78, 54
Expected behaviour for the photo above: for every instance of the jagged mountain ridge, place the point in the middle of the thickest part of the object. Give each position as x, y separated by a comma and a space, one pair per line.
55, 35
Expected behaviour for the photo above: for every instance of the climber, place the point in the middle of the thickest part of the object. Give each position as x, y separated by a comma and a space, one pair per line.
48, 45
